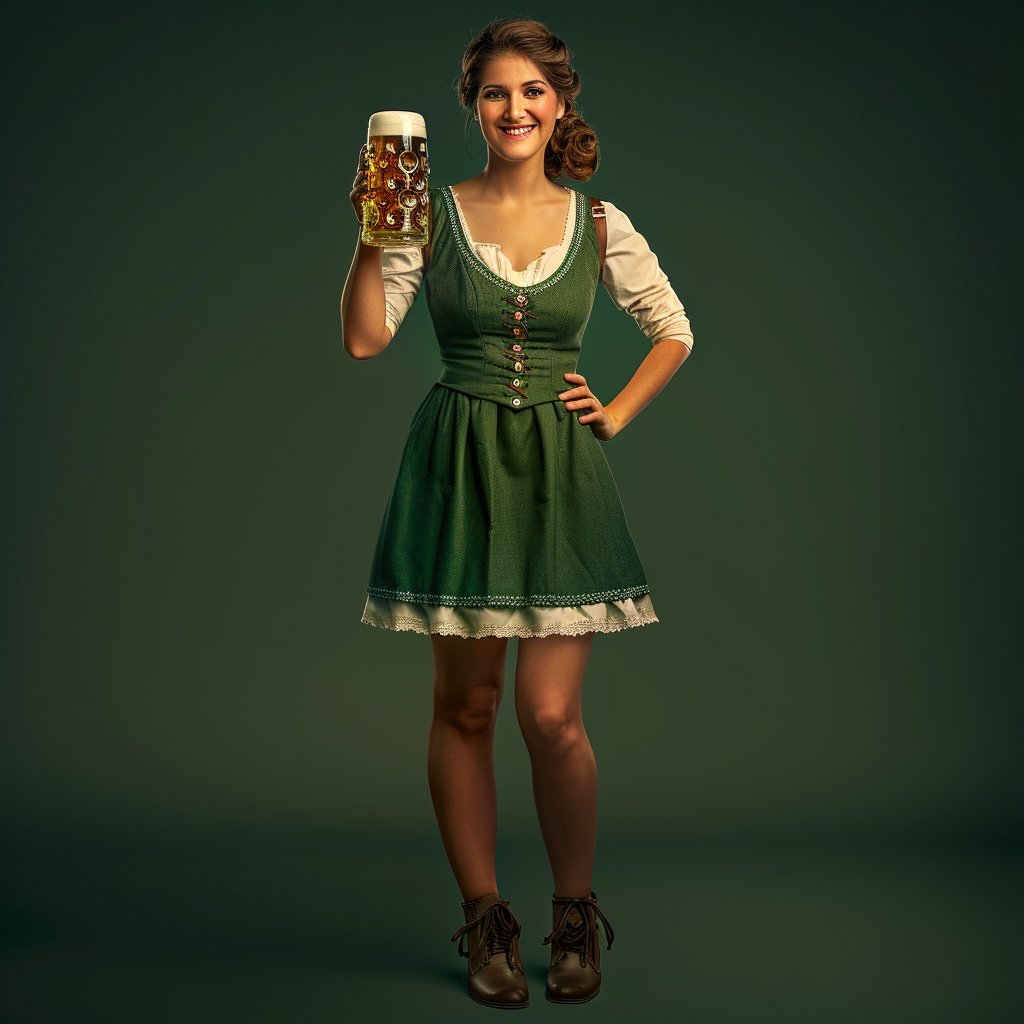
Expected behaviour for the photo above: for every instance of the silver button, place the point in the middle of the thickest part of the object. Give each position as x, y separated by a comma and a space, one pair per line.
516, 400
515, 380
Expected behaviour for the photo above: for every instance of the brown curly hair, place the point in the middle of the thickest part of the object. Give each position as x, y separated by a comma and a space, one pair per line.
573, 147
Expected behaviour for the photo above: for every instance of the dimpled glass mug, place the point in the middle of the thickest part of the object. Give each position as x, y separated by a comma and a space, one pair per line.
396, 207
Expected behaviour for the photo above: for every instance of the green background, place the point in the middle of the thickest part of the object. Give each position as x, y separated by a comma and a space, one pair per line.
214, 784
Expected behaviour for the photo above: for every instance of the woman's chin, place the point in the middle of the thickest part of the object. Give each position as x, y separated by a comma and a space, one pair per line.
516, 153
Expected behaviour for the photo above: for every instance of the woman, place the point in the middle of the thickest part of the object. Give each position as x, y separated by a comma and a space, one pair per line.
505, 520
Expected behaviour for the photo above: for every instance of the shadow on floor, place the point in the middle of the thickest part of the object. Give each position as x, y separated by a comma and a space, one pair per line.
350, 929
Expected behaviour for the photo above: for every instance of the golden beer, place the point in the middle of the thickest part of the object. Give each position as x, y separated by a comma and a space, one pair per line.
396, 207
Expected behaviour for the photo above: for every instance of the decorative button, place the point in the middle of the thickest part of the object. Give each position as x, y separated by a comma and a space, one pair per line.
517, 347
521, 299
517, 400
515, 380
518, 359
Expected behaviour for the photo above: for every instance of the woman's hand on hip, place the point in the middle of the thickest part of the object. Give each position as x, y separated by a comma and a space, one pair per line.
597, 417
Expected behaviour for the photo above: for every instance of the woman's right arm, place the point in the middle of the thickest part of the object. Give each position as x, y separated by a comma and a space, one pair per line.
364, 332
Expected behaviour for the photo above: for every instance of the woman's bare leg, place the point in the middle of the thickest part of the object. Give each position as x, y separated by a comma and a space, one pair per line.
548, 697
469, 678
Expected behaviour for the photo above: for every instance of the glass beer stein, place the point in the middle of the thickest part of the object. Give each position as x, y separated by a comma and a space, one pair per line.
396, 207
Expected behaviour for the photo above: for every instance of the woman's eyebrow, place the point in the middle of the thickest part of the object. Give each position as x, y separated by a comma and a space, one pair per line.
532, 81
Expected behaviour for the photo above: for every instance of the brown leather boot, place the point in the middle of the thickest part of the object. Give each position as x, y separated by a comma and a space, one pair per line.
574, 975
495, 973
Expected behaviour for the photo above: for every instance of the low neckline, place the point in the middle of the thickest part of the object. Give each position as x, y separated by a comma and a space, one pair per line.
466, 244
472, 242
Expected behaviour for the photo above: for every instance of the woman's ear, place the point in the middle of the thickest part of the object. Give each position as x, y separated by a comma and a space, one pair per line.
561, 110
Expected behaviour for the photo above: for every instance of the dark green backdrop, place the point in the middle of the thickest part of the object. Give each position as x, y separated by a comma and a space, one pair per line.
826, 497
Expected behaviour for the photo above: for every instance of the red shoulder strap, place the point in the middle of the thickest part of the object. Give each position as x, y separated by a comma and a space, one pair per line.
601, 225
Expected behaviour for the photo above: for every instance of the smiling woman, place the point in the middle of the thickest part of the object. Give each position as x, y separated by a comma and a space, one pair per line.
518, 115
505, 519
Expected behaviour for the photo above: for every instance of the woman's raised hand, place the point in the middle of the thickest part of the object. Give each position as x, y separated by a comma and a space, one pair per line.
601, 422
358, 192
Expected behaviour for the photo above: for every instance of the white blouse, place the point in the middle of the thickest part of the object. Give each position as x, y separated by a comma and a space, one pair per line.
631, 275
637, 284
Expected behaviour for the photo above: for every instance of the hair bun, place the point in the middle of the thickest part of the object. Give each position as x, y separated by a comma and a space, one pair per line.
573, 148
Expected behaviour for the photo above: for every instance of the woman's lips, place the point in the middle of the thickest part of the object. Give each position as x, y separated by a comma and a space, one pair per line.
517, 133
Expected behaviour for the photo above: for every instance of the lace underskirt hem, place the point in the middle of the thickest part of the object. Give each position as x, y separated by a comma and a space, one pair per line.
533, 620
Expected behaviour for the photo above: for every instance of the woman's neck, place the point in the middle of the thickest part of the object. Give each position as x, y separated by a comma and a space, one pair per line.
501, 182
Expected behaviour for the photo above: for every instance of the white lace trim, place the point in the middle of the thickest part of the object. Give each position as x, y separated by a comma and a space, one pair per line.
528, 621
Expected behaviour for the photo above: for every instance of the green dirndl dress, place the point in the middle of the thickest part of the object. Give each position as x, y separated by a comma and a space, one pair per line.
505, 519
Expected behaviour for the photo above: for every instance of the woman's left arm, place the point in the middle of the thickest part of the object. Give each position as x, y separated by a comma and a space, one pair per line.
636, 284
651, 376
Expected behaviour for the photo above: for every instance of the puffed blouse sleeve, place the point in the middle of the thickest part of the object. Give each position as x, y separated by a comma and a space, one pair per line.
403, 278
636, 283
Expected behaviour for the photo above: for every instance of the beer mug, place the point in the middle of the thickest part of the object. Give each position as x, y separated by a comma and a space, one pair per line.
396, 207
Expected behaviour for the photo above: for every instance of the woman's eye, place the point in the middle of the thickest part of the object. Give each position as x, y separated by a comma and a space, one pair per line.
493, 94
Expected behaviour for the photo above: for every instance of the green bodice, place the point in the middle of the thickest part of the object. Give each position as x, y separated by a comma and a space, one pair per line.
503, 342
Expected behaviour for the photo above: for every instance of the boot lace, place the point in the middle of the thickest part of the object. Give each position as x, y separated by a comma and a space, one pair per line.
498, 928
573, 936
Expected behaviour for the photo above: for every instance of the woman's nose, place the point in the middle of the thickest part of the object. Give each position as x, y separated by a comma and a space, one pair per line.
515, 107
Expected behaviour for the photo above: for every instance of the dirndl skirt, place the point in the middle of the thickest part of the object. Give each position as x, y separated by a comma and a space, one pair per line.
504, 522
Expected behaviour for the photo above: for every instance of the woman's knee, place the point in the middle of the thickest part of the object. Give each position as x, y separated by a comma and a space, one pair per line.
472, 710
469, 676
469, 701
551, 729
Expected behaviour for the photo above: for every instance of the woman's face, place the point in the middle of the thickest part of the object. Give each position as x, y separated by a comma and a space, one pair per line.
515, 95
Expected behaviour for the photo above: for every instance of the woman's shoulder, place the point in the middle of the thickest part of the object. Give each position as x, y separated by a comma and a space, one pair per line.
618, 223
441, 197
463, 189
598, 199
436, 195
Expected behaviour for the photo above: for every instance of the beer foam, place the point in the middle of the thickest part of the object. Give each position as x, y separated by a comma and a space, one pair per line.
397, 122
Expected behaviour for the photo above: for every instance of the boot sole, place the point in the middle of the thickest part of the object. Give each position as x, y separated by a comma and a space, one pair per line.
499, 1006
586, 999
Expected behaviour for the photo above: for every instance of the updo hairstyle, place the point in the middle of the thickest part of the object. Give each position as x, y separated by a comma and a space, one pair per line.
572, 148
